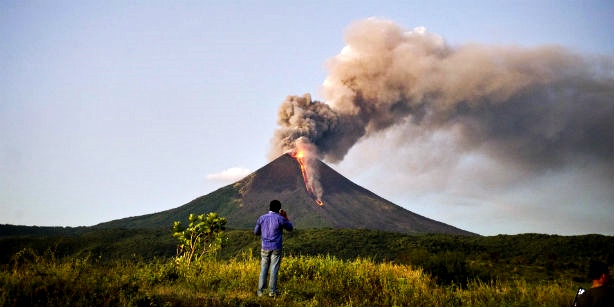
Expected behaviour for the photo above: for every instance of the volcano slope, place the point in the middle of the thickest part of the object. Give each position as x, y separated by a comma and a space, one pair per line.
346, 204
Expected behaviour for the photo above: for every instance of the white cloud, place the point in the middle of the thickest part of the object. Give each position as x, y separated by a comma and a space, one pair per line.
231, 174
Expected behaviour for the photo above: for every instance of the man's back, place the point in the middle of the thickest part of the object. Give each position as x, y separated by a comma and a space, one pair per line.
270, 227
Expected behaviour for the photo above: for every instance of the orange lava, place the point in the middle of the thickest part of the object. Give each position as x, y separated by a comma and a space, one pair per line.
300, 157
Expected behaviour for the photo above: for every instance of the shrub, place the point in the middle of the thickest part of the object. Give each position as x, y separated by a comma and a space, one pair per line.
203, 237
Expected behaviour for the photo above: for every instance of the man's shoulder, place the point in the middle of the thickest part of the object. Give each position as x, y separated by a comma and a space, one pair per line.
267, 216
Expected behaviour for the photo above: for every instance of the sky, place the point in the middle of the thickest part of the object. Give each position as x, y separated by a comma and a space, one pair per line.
110, 109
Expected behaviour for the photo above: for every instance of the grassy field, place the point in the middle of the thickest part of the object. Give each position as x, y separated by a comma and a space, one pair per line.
321, 267
33, 279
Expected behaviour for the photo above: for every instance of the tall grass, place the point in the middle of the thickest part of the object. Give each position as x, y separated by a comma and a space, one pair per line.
45, 280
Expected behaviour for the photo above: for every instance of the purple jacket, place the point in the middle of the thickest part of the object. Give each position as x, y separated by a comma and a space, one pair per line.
270, 227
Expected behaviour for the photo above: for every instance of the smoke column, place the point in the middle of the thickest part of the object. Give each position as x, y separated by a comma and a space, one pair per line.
536, 108
539, 106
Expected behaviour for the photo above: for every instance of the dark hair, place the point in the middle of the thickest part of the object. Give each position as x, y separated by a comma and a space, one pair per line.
275, 205
596, 269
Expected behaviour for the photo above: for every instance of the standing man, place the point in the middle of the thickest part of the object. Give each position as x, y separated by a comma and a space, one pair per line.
270, 227
601, 293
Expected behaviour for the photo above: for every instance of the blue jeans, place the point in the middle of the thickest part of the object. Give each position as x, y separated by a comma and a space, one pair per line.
268, 259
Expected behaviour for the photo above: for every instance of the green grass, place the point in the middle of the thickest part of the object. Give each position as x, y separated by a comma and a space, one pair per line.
33, 279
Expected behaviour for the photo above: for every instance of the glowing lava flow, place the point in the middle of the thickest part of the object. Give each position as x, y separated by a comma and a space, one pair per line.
300, 157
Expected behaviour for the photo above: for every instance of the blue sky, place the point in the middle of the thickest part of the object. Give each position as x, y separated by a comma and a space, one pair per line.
111, 109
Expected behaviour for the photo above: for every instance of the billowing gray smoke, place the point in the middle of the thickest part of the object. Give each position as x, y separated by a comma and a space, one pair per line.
539, 107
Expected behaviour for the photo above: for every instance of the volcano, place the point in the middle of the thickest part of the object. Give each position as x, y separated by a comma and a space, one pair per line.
346, 204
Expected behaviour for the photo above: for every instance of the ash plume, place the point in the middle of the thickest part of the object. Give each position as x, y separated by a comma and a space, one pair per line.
536, 107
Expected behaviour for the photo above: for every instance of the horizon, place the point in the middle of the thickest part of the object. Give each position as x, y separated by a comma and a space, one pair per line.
111, 110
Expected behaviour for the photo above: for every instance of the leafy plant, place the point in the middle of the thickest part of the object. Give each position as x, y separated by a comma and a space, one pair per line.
203, 237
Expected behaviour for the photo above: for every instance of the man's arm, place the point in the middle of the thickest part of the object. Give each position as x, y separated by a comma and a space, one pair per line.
287, 225
257, 230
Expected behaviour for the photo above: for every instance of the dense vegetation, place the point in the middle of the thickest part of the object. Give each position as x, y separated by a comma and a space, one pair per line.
44, 280
323, 267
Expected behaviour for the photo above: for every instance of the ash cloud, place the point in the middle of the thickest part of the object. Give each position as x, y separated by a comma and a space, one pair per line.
540, 108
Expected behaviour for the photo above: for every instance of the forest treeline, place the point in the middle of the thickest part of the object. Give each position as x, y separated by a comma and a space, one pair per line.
448, 258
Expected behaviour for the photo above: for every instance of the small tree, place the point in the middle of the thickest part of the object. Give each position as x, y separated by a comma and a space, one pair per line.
203, 237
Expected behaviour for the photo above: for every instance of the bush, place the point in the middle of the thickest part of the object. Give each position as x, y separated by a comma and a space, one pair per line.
203, 237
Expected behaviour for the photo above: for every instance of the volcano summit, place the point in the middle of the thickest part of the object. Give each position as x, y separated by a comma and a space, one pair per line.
345, 204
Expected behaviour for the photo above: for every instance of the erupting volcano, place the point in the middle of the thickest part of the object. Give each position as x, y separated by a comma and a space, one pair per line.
528, 110
348, 205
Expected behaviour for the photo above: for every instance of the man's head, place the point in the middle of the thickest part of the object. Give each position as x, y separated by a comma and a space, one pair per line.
598, 270
275, 205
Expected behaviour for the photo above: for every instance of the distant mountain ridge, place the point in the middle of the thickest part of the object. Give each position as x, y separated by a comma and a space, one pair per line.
346, 204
